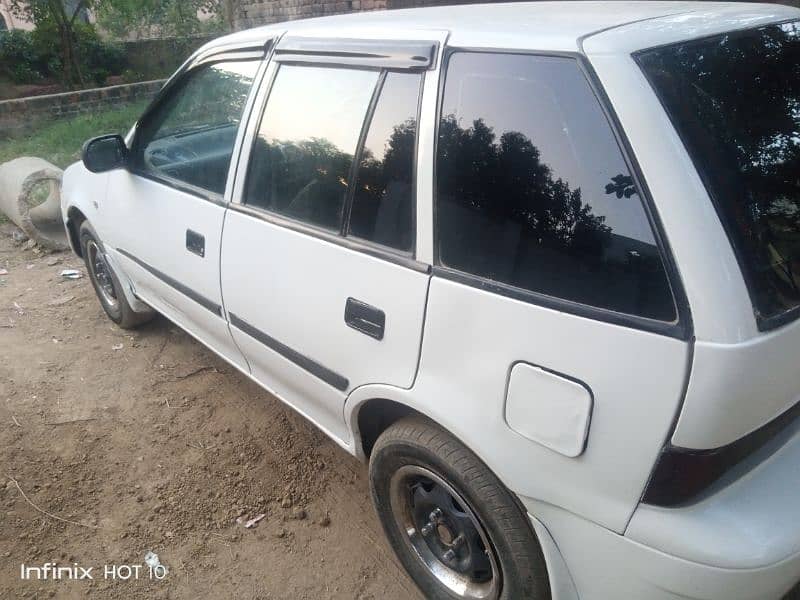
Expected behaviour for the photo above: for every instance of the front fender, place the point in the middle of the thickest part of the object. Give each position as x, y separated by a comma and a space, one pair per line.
81, 191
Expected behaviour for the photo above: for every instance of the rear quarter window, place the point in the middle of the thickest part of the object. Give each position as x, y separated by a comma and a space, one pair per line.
533, 191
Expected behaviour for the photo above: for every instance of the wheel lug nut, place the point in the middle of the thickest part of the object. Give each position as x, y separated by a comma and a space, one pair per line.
449, 555
436, 515
458, 541
427, 529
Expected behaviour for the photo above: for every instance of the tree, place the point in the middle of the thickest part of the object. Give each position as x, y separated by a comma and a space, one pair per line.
63, 14
161, 18
176, 18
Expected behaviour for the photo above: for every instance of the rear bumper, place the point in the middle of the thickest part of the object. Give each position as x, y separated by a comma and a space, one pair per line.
741, 543
602, 565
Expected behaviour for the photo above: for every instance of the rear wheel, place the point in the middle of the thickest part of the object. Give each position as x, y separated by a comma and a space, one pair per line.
457, 530
106, 284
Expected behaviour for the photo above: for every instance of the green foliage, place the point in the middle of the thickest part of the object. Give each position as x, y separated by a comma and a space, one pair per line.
65, 45
18, 59
158, 18
60, 141
30, 56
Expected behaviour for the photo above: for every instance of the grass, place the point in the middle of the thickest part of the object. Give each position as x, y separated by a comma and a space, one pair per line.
60, 141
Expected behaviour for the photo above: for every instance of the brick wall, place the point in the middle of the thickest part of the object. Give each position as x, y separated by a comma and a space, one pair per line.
21, 112
252, 13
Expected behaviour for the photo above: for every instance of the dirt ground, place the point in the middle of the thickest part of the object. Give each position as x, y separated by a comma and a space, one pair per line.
146, 441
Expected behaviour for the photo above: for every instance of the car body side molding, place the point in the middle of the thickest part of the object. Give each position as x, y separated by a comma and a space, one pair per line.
325, 374
173, 283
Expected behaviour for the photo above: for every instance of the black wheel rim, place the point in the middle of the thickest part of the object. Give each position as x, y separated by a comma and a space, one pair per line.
444, 533
100, 272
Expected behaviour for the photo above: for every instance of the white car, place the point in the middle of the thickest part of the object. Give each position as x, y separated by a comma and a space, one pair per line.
538, 263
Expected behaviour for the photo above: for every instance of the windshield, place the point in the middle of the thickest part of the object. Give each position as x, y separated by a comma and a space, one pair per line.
735, 101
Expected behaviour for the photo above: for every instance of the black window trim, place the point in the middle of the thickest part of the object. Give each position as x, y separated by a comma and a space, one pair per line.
681, 328
342, 237
346, 231
226, 53
347, 209
763, 324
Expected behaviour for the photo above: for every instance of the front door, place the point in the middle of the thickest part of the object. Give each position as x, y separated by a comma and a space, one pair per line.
318, 270
168, 209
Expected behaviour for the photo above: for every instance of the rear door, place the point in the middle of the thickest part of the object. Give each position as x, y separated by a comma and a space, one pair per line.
319, 274
165, 213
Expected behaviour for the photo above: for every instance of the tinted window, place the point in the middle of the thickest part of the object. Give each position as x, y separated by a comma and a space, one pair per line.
735, 101
190, 136
533, 192
384, 192
301, 161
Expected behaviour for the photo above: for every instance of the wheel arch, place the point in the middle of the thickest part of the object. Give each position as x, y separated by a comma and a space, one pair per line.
370, 409
372, 417
75, 218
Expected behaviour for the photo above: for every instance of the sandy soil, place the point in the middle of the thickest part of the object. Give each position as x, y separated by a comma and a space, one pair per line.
146, 441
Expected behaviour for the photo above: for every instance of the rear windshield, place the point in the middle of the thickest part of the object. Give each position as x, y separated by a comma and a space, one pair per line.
735, 101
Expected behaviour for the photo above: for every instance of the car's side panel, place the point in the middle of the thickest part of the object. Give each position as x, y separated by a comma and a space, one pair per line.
737, 388
636, 379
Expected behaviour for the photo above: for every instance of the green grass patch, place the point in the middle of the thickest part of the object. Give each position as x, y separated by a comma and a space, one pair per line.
60, 141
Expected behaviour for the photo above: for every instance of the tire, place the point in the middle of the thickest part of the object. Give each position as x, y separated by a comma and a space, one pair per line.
106, 283
416, 465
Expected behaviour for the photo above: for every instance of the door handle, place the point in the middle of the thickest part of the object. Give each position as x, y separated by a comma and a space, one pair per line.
367, 319
195, 243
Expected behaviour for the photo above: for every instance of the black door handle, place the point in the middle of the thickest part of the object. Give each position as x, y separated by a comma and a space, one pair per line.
195, 243
365, 318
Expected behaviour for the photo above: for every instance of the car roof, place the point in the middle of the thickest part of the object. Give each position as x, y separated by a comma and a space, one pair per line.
547, 26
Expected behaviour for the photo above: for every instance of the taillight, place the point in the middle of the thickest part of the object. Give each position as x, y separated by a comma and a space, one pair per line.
681, 475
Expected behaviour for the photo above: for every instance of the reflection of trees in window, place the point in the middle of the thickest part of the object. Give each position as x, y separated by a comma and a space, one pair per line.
736, 100
504, 215
215, 96
508, 181
622, 186
382, 203
305, 179
397, 163
190, 135
308, 179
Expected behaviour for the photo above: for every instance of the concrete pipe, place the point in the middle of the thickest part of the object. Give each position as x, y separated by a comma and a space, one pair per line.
30, 195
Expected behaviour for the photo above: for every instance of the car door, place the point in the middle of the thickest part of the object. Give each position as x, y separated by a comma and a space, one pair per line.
319, 272
167, 209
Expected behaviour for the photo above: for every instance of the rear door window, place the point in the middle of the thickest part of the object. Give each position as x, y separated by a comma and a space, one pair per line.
301, 163
735, 101
532, 190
